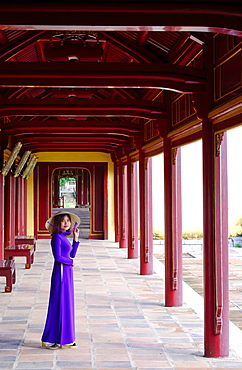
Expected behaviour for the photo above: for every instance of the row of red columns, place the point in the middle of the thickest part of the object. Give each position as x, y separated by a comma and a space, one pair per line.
13, 216
215, 243
127, 192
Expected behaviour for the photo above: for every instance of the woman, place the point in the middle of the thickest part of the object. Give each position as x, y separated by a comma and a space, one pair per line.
60, 327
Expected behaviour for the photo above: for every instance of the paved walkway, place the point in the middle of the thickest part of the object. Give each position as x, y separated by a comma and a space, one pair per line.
193, 275
121, 321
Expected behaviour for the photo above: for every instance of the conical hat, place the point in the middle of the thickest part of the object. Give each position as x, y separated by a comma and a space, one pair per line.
74, 219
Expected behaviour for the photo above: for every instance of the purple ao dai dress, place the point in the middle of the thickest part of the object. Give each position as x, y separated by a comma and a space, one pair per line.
60, 321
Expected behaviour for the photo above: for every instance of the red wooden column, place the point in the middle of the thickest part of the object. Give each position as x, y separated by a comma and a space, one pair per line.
215, 239
25, 221
132, 204
116, 195
121, 197
173, 225
79, 188
146, 226
2, 217
83, 187
21, 212
86, 187
56, 190
10, 204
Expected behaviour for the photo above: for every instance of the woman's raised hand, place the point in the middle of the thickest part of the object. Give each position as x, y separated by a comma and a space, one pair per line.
76, 234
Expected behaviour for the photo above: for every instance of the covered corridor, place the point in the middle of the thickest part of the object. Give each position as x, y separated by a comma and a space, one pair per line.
121, 320
94, 90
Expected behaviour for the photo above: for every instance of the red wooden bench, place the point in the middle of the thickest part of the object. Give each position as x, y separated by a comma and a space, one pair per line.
26, 250
20, 239
7, 269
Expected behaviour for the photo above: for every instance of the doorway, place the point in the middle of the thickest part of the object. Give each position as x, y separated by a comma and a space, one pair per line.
67, 191
71, 193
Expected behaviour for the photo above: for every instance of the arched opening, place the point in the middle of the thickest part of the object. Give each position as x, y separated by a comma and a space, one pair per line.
67, 191
71, 192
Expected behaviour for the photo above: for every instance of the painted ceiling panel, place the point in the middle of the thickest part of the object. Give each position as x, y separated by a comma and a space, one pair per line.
28, 55
13, 34
165, 40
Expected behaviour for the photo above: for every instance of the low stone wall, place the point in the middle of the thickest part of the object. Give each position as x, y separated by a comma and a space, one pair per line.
195, 245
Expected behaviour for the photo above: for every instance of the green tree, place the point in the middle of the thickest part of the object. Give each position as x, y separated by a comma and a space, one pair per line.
64, 180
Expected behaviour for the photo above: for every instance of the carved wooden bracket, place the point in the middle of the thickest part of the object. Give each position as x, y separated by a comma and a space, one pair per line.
218, 320
174, 282
138, 142
146, 254
174, 154
126, 149
114, 156
218, 141
146, 163
200, 104
133, 242
161, 126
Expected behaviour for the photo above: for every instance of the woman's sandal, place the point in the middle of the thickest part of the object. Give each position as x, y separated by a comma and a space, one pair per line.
52, 346
73, 345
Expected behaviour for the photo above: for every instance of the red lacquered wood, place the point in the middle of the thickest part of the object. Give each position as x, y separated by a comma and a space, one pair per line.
7, 269
2, 216
10, 209
146, 239
122, 234
173, 231
216, 321
132, 197
116, 201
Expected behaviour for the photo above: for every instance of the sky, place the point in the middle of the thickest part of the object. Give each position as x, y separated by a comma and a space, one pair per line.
192, 214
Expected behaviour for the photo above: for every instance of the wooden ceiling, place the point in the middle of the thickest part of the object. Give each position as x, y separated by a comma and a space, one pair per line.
66, 86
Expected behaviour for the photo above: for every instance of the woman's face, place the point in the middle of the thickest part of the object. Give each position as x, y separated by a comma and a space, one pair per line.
65, 223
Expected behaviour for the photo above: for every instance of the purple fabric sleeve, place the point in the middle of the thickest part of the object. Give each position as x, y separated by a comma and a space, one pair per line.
56, 249
74, 249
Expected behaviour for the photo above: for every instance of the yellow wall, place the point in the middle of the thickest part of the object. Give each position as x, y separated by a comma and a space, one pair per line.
75, 157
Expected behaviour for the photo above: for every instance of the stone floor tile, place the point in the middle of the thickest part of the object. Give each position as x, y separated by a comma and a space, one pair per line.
34, 365
121, 321
120, 368
111, 357
113, 364
73, 364
152, 364
190, 365
117, 351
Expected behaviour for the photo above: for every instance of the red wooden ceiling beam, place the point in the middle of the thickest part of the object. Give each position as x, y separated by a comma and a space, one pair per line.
204, 15
82, 107
70, 148
35, 149
70, 130
126, 124
77, 139
86, 75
